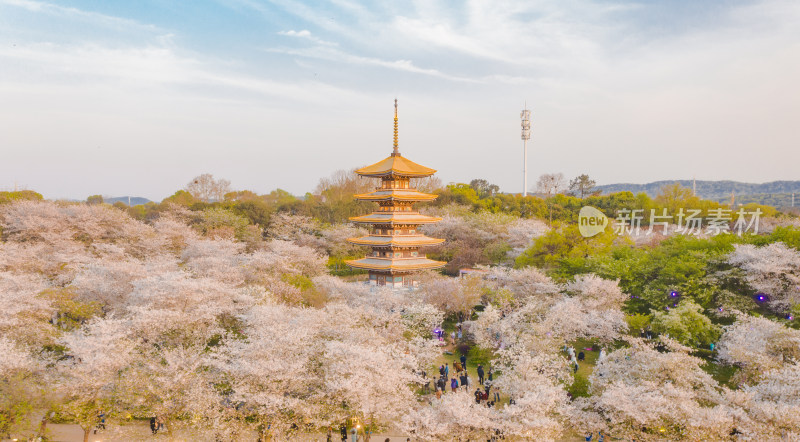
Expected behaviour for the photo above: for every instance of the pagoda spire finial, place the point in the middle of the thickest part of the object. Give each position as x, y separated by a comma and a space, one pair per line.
396, 150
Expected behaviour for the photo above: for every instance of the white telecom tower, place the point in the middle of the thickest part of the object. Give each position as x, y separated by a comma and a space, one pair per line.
526, 135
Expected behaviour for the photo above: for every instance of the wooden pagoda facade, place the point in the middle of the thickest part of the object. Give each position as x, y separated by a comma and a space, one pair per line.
394, 228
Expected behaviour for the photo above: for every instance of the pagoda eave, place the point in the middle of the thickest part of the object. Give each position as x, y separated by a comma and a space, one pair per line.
416, 241
393, 219
395, 265
412, 195
396, 165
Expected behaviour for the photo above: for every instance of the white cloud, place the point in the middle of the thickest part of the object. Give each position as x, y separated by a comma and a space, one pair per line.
133, 67
306, 34
338, 56
94, 18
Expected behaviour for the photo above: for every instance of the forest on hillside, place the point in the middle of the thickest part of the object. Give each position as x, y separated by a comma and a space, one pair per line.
775, 193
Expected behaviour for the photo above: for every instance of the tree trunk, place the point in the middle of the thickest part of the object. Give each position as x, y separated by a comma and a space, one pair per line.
43, 426
86, 432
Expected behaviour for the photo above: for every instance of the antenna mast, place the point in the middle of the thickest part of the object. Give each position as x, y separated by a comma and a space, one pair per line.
396, 150
525, 115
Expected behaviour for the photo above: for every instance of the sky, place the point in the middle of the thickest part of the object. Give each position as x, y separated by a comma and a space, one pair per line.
122, 97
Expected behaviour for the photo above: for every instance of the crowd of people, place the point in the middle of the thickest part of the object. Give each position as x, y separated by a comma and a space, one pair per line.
457, 377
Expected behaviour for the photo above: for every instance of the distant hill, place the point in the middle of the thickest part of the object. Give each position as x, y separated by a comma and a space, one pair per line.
134, 200
775, 193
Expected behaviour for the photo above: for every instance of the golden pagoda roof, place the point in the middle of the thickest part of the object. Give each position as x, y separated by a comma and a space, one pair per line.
396, 164
395, 218
396, 264
396, 240
397, 194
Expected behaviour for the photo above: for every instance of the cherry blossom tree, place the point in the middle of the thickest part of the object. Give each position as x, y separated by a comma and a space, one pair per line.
173, 384
641, 393
318, 367
24, 315
88, 378
452, 295
589, 307
19, 386
772, 405
773, 269
757, 345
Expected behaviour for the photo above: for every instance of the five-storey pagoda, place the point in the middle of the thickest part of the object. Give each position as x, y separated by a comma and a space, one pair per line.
395, 237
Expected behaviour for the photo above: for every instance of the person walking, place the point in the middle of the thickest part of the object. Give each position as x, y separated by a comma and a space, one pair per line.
101, 421
480, 374
438, 392
478, 395
343, 432
153, 426
446, 370
353, 435
464, 361
463, 379
453, 385
329, 436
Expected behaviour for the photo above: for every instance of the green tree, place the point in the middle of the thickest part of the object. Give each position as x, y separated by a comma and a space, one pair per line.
564, 243
637, 322
459, 193
241, 195
687, 324
279, 197
582, 185
255, 210
674, 197
18, 195
483, 188
181, 198
215, 218
95, 199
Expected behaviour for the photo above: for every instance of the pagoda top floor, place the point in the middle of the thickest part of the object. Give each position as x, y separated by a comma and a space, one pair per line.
395, 165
